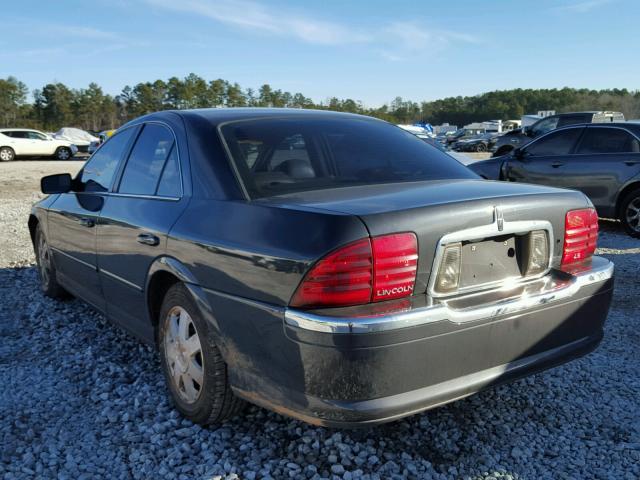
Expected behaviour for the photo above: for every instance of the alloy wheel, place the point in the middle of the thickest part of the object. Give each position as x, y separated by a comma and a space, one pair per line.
64, 154
6, 155
633, 214
184, 354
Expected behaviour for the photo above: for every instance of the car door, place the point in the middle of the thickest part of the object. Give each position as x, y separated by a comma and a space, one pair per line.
542, 160
604, 161
135, 222
73, 217
40, 144
20, 142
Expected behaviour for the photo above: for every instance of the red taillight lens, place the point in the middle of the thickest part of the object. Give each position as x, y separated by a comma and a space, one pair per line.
341, 278
382, 268
580, 235
395, 261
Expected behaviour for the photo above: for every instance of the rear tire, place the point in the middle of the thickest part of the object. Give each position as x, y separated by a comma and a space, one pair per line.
481, 147
64, 153
46, 268
7, 154
630, 213
194, 370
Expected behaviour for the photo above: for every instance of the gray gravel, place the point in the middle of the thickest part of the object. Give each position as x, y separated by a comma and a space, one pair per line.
81, 399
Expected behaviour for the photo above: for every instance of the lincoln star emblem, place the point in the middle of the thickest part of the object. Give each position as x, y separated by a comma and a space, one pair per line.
499, 218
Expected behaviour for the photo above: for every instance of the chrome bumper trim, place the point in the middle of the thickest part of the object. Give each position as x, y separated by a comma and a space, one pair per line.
544, 291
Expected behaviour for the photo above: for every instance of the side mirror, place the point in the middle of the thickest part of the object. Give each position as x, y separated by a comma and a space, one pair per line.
60, 183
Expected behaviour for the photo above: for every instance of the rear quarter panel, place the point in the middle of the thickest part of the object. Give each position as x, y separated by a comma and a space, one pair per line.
254, 251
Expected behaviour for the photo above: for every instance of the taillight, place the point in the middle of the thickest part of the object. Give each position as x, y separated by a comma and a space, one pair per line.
368, 270
580, 235
395, 262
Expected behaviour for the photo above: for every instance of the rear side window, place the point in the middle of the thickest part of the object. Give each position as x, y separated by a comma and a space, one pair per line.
556, 143
98, 173
608, 140
169, 185
147, 159
292, 154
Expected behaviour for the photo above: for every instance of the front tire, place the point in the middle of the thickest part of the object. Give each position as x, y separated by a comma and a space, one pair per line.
64, 153
192, 363
46, 268
630, 213
7, 154
481, 147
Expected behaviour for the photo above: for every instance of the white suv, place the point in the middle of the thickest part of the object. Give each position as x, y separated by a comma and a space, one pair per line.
22, 142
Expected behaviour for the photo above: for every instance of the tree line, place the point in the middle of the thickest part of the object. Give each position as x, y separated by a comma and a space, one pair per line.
55, 105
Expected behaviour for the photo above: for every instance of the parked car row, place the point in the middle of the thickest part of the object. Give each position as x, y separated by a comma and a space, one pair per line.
18, 142
61, 145
600, 160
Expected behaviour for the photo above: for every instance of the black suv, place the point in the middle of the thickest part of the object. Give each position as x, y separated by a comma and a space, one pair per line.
522, 136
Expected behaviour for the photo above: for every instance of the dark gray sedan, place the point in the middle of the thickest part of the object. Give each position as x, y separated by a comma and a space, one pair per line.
327, 266
603, 161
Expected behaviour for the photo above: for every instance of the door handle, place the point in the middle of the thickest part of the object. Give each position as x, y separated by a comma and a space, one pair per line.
631, 162
148, 239
557, 164
87, 222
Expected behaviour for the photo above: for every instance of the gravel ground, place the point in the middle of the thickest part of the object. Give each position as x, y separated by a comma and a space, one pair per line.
83, 400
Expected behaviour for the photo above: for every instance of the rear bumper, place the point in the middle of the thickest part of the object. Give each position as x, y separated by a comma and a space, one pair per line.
350, 367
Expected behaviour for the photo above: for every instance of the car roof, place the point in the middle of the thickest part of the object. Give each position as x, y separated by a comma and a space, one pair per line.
19, 130
217, 116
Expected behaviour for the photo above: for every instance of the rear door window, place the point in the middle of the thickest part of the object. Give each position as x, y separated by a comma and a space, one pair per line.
98, 173
555, 143
599, 140
146, 162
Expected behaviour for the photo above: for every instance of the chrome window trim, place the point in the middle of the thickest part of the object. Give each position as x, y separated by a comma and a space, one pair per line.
490, 230
553, 291
130, 195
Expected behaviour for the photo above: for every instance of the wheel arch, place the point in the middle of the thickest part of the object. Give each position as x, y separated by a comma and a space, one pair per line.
163, 274
633, 185
33, 224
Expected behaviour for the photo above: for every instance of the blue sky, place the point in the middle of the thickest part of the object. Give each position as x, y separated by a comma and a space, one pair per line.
366, 50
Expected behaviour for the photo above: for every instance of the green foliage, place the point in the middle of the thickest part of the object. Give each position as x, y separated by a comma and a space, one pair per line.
56, 105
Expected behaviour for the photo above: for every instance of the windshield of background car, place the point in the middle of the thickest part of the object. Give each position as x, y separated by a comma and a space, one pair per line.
281, 155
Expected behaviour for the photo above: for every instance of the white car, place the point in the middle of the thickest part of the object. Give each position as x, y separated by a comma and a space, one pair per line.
78, 137
22, 142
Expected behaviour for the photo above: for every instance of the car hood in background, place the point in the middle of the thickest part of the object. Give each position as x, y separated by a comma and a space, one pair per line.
75, 136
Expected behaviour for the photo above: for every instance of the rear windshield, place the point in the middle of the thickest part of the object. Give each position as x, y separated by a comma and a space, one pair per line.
280, 155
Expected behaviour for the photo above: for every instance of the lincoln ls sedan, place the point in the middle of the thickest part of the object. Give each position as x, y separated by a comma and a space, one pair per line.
327, 266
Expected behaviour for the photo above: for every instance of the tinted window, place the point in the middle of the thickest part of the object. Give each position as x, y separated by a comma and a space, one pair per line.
99, 170
36, 136
307, 153
543, 126
573, 119
169, 185
143, 169
608, 140
556, 143
15, 134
